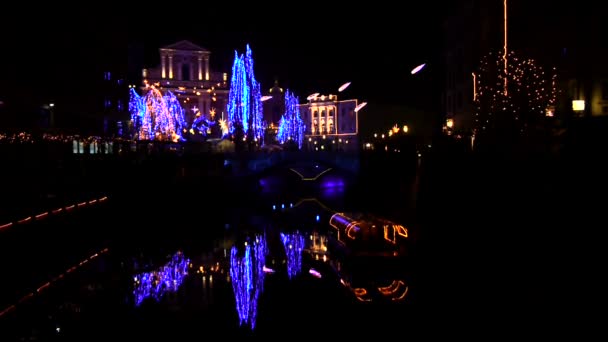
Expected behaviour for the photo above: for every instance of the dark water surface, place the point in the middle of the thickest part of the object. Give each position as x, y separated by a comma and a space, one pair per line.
148, 266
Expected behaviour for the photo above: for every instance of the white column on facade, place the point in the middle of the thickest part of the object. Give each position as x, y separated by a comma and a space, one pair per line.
336, 119
163, 60
207, 68
200, 68
327, 120
170, 66
323, 119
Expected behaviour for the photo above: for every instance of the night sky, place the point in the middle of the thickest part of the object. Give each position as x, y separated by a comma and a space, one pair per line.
52, 55
308, 48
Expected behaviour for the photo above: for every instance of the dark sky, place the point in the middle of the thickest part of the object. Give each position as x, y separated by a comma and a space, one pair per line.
319, 53
308, 47
58, 54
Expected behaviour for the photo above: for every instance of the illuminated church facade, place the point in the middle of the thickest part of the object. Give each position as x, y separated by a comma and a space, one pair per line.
184, 70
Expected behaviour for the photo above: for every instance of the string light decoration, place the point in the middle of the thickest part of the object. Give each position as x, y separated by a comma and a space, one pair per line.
155, 116
291, 125
224, 127
247, 274
532, 89
294, 244
245, 111
176, 112
201, 125
136, 109
166, 279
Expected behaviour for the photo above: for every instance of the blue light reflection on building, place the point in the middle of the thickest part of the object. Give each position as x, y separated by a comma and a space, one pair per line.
247, 274
294, 244
155, 284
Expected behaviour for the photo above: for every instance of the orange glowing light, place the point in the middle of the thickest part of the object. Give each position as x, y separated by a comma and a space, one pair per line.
41, 216
27, 219
474, 87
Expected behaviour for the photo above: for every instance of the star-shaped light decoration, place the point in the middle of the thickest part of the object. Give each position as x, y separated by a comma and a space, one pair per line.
212, 113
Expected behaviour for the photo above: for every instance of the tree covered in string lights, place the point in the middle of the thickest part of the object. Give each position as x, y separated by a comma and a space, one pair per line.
291, 126
245, 113
156, 117
247, 276
512, 98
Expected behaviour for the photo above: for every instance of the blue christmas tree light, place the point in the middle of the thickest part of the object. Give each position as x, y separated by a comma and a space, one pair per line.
291, 126
176, 112
136, 108
201, 125
155, 116
155, 284
244, 100
294, 245
247, 274
238, 97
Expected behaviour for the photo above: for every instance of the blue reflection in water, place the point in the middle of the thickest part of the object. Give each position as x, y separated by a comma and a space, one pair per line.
247, 273
332, 186
168, 278
294, 244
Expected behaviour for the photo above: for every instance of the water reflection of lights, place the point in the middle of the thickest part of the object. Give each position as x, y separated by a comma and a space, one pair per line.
166, 279
294, 244
396, 291
314, 273
355, 228
247, 273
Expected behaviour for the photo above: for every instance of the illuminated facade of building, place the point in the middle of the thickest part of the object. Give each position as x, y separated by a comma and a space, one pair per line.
184, 70
331, 125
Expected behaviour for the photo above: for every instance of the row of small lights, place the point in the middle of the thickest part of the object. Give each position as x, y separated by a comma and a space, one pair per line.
53, 212
46, 285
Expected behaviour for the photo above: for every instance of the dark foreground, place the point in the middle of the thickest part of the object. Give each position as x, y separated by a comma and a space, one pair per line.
501, 245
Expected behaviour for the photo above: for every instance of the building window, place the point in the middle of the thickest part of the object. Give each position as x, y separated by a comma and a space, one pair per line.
107, 76
186, 72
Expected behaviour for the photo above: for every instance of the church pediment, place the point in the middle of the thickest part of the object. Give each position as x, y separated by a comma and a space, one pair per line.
185, 45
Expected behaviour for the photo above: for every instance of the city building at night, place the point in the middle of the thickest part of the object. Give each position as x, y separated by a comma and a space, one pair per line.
115, 103
470, 33
559, 67
185, 71
275, 106
331, 124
